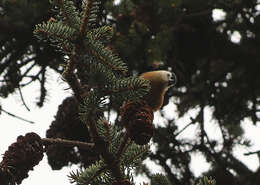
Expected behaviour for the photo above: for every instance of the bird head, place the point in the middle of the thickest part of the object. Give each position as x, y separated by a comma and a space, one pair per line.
169, 78
166, 78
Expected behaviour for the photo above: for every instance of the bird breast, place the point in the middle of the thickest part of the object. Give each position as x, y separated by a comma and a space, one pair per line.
155, 97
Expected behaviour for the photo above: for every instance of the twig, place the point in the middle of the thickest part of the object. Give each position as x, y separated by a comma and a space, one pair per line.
85, 21
18, 117
33, 78
193, 121
102, 147
68, 143
122, 146
70, 76
250, 153
75, 85
21, 95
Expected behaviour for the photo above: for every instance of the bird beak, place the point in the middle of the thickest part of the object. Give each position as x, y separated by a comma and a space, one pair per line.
173, 80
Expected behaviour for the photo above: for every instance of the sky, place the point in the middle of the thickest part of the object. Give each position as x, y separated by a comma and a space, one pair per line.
42, 174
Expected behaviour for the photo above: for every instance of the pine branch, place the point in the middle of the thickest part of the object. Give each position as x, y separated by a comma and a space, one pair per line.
94, 174
105, 55
68, 10
90, 9
56, 32
127, 89
101, 75
103, 33
132, 88
90, 104
103, 148
90, 109
133, 155
105, 130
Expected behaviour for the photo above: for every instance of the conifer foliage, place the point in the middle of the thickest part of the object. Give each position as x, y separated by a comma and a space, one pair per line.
76, 34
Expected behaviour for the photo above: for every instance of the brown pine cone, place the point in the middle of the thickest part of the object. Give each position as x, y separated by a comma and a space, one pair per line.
21, 157
137, 118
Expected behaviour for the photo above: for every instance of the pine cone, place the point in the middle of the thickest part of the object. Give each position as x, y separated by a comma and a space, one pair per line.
21, 157
137, 118
67, 125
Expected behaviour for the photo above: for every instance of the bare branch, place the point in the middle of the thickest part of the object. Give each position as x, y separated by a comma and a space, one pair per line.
21, 95
68, 143
193, 121
18, 117
250, 153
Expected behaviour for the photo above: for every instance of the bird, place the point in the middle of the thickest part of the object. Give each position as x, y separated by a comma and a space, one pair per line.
160, 82
138, 116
